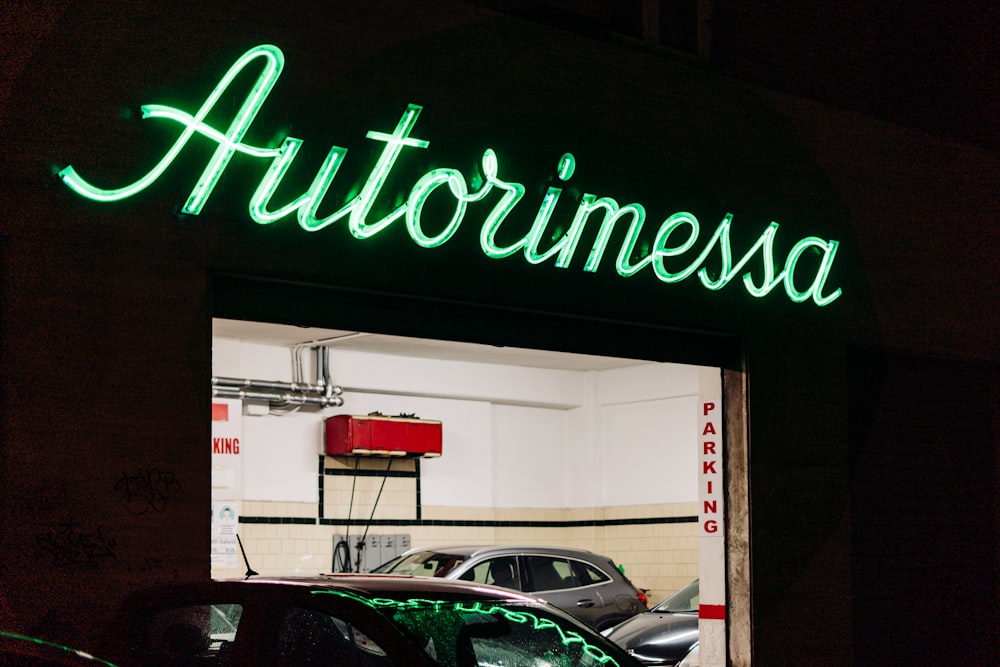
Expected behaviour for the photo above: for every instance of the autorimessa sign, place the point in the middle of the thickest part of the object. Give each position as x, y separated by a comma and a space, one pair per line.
678, 252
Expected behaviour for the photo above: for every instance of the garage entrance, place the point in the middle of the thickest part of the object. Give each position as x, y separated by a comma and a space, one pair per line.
615, 455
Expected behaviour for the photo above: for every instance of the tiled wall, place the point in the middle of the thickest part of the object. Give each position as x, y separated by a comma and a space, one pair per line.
656, 544
351, 487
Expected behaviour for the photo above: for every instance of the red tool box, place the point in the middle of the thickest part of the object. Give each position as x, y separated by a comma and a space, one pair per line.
378, 435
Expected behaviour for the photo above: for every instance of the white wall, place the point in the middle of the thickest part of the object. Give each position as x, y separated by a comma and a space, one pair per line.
513, 436
530, 447
648, 425
647, 452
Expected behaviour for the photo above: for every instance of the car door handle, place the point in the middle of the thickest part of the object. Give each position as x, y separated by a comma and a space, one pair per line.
584, 603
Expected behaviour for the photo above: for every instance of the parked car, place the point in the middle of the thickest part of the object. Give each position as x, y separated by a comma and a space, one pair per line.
665, 634
582, 583
20, 650
691, 659
354, 620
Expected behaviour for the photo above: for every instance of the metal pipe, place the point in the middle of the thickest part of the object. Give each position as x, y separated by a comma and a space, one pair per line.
297, 373
277, 397
296, 393
322, 366
237, 383
323, 375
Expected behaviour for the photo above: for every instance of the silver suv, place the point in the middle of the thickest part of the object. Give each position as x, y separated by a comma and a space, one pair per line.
582, 583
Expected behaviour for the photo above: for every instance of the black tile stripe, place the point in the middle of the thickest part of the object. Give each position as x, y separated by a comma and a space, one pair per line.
600, 523
420, 509
301, 520
322, 475
343, 472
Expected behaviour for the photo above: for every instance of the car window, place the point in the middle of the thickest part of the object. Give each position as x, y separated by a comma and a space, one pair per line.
494, 640
586, 574
423, 564
311, 637
686, 599
549, 573
192, 635
497, 571
488, 634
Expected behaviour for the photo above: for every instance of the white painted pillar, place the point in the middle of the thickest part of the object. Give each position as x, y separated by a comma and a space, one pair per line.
711, 526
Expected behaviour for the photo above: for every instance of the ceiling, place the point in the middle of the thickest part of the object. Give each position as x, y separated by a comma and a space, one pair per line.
280, 334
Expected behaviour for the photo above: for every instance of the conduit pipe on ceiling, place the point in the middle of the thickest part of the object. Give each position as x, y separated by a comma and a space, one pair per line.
281, 395
321, 345
277, 397
297, 387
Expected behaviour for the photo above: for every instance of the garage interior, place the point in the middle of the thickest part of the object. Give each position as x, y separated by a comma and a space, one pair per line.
538, 447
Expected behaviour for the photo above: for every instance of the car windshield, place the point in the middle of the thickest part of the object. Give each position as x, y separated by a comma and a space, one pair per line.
495, 632
422, 564
686, 599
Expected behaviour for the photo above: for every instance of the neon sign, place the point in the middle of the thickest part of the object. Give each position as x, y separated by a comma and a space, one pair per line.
676, 236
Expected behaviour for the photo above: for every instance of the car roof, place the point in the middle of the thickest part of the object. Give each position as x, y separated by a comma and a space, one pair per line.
29, 650
369, 585
476, 550
382, 584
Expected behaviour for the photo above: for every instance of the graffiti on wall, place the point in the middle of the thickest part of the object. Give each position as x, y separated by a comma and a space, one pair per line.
147, 489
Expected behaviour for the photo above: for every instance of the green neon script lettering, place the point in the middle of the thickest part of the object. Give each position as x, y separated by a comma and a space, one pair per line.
612, 213
661, 249
675, 239
512, 193
423, 189
829, 250
394, 144
358, 208
566, 244
229, 142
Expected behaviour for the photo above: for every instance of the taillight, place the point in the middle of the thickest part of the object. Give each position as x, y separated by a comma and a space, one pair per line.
643, 599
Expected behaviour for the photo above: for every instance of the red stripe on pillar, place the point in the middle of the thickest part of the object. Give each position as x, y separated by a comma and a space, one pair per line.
220, 412
712, 612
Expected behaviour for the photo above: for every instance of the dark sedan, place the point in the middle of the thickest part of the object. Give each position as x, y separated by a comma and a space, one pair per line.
351, 620
20, 650
664, 635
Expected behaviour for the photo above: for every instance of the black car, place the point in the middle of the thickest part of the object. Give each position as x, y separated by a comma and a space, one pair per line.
665, 634
21, 650
353, 620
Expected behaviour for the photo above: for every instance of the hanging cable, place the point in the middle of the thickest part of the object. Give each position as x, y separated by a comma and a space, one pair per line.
361, 544
342, 549
341, 557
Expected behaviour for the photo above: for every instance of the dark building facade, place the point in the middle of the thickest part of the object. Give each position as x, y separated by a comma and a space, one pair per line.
852, 178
